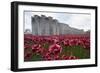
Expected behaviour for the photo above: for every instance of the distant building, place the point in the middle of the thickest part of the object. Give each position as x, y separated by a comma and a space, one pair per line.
27, 31
42, 25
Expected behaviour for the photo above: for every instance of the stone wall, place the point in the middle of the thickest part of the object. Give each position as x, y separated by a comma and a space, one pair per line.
42, 25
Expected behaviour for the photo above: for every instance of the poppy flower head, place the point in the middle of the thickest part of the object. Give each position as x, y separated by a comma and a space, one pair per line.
55, 49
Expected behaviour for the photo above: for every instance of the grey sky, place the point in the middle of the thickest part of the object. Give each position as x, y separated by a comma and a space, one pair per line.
79, 21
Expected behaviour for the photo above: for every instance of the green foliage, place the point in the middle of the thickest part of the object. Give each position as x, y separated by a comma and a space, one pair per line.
36, 57
77, 51
46, 46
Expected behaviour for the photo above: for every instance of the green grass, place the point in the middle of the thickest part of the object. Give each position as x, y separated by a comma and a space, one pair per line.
77, 51
36, 57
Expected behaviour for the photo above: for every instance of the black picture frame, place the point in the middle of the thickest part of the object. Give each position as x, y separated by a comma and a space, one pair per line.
15, 34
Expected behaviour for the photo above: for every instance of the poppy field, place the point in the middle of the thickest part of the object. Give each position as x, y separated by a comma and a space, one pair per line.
56, 47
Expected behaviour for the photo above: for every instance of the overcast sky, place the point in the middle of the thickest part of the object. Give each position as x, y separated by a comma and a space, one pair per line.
76, 20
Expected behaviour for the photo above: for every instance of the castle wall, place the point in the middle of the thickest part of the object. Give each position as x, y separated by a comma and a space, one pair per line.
42, 25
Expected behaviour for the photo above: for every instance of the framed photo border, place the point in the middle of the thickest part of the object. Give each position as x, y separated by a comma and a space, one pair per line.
14, 35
